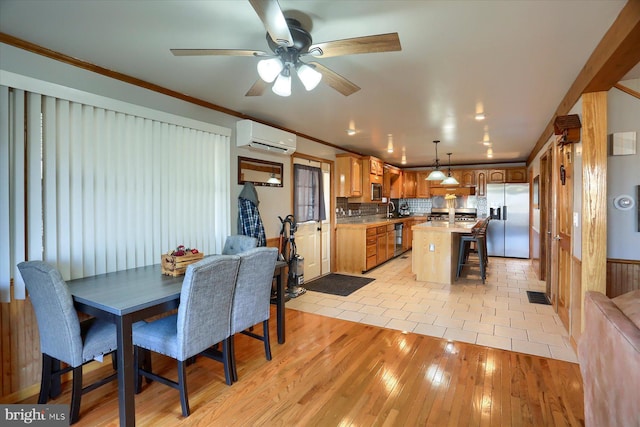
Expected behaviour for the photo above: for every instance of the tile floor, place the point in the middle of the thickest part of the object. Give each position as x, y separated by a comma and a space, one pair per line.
497, 314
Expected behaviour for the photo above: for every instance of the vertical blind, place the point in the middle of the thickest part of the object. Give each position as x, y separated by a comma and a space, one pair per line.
92, 190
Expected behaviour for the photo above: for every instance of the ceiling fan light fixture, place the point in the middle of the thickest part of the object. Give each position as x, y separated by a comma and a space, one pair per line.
282, 86
309, 76
268, 69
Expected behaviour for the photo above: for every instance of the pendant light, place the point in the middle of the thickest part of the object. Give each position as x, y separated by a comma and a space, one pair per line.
436, 174
449, 180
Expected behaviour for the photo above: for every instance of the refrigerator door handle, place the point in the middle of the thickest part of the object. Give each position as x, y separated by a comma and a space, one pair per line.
504, 213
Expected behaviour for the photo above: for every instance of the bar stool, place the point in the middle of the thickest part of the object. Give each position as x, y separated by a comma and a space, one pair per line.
477, 236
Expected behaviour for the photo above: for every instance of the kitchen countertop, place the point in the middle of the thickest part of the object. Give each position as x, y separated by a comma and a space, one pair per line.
445, 227
368, 222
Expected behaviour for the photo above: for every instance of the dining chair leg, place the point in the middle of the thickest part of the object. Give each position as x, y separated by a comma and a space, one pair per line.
232, 358
76, 394
137, 364
226, 361
267, 343
45, 381
182, 384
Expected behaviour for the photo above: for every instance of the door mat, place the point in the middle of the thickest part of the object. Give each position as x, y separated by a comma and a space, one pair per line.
538, 298
337, 284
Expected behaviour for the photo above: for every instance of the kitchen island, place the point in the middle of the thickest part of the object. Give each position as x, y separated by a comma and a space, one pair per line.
363, 244
435, 250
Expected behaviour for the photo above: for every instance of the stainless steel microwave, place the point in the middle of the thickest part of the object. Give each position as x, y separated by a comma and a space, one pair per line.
376, 191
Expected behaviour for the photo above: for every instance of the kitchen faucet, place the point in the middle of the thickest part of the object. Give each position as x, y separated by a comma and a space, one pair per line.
393, 208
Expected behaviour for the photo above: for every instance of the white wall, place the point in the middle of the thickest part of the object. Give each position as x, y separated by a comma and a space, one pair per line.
623, 177
274, 201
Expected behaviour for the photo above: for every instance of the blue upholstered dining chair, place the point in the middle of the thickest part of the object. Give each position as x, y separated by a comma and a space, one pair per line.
238, 243
202, 320
251, 302
62, 337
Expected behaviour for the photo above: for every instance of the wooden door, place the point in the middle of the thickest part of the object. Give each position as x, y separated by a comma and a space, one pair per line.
564, 214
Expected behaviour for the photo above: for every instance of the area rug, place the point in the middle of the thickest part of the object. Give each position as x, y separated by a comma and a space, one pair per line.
337, 284
538, 298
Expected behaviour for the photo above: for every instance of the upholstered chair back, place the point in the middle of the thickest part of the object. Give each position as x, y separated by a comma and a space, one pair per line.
58, 323
253, 288
238, 243
204, 313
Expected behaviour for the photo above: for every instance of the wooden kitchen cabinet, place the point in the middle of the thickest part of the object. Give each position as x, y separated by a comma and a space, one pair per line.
391, 241
467, 177
496, 176
423, 187
349, 173
516, 175
376, 166
372, 248
409, 184
481, 182
391, 182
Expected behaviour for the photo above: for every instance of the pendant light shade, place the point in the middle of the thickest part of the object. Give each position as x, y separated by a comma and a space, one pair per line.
268, 69
449, 180
436, 174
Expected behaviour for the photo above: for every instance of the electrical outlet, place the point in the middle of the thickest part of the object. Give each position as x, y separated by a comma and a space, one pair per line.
432, 247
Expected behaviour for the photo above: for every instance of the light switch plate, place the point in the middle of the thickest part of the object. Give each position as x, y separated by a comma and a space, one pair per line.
576, 219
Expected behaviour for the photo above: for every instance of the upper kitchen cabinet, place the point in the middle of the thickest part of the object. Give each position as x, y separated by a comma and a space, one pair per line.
376, 167
467, 177
507, 175
481, 182
423, 187
496, 176
516, 175
409, 184
392, 182
349, 173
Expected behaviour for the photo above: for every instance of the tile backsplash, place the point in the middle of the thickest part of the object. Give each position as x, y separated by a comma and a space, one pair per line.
344, 208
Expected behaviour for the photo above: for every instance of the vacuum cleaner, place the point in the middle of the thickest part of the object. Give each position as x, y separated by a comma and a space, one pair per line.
288, 253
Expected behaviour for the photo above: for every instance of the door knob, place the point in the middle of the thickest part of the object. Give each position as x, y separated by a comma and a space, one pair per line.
319, 229
557, 237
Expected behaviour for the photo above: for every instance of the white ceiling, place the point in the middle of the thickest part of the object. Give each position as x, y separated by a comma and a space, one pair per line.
514, 60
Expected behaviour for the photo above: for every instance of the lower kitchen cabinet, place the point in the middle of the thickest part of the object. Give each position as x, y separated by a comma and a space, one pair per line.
361, 247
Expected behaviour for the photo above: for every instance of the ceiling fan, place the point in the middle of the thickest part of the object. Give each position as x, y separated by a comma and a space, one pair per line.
289, 42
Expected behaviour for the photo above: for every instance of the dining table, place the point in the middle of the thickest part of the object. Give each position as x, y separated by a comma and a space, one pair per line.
128, 296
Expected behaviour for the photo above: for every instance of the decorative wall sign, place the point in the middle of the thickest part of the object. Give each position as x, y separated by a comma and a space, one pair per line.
623, 143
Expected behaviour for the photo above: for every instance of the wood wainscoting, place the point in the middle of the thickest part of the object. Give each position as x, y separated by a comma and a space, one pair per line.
576, 308
20, 348
622, 276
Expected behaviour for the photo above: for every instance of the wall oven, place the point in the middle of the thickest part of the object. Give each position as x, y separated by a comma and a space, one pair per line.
376, 191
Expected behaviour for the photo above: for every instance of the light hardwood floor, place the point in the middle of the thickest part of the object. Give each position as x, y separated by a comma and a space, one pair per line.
333, 372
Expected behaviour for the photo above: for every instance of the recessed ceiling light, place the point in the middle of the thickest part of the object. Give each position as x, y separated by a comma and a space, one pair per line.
480, 117
389, 143
351, 132
489, 153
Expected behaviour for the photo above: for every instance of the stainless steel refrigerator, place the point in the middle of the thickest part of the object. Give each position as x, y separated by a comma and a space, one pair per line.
508, 232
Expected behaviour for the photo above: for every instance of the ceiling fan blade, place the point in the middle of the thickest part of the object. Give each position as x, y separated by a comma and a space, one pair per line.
367, 44
335, 80
271, 16
258, 88
228, 52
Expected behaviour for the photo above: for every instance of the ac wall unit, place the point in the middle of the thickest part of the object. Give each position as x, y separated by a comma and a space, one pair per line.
257, 136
